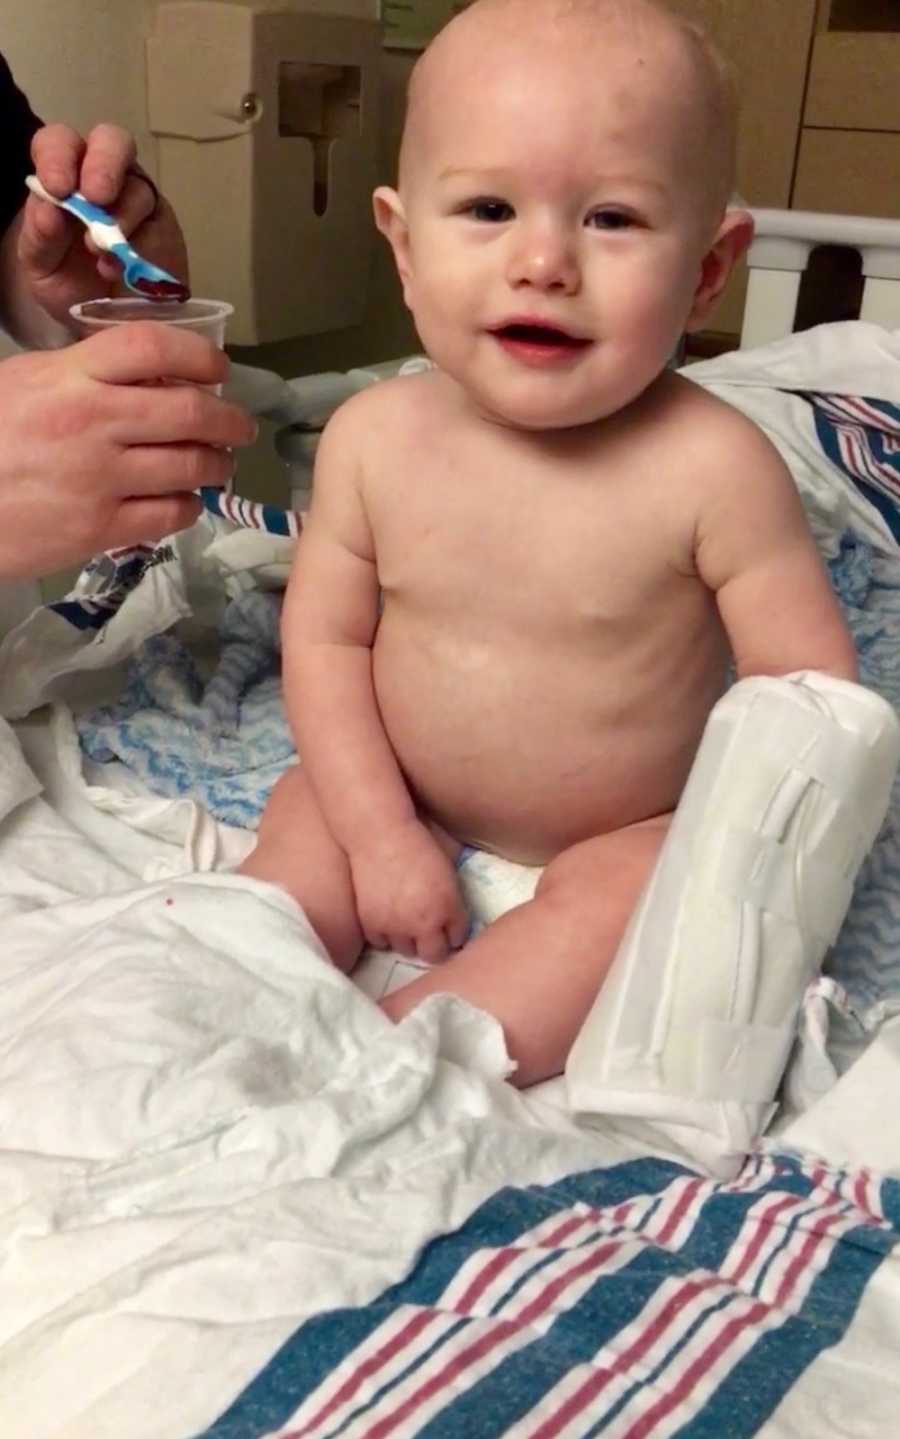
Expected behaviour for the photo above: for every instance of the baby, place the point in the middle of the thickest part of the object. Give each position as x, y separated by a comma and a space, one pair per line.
525, 571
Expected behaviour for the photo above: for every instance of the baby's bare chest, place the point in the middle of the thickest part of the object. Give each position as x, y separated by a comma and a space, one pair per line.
550, 543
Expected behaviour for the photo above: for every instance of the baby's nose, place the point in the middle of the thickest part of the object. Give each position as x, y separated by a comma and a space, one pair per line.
545, 257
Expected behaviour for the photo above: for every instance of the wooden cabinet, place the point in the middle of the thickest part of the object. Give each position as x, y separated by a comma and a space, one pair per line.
767, 43
849, 153
819, 88
848, 172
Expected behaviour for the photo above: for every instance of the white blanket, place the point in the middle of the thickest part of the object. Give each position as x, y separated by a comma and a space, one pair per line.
852, 358
207, 1136
206, 1129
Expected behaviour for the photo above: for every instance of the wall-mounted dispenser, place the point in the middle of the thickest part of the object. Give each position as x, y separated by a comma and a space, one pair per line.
265, 115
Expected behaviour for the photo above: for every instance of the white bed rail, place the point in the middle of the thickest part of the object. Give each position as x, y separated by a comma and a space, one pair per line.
782, 244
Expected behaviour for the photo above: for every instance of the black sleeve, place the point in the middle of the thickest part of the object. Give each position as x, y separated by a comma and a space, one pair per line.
18, 123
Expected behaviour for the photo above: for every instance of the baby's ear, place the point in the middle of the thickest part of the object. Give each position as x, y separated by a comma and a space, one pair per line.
731, 240
390, 217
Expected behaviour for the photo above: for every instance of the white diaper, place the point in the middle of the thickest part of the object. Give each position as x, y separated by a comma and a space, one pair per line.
693, 1027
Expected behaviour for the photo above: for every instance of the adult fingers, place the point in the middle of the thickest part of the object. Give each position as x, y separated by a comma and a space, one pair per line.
137, 202
108, 269
144, 520
135, 205
161, 469
108, 153
56, 151
148, 350
44, 239
177, 414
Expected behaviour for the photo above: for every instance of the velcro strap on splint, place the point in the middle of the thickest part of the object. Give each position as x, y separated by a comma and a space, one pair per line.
837, 759
761, 871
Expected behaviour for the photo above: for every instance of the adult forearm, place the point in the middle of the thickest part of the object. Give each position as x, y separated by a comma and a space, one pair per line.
342, 742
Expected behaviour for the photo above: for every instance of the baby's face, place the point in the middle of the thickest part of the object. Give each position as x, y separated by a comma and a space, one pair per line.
557, 223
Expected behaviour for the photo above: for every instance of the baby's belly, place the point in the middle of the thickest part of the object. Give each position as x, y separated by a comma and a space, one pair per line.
526, 754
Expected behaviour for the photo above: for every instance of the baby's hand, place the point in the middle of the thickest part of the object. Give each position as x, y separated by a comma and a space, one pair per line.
407, 896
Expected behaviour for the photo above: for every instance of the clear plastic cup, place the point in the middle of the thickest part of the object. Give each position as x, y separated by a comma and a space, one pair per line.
207, 317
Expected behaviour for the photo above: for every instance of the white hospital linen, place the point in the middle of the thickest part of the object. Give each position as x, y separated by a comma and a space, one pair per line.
206, 1130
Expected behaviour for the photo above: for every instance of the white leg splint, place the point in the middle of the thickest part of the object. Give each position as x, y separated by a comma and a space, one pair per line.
693, 1027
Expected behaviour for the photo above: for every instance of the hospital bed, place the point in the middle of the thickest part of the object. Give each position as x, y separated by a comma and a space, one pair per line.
235, 1203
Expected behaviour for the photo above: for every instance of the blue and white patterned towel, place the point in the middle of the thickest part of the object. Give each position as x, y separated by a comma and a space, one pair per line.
866, 958
223, 741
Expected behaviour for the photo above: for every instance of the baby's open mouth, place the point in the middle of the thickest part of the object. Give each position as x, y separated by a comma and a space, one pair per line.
537, 334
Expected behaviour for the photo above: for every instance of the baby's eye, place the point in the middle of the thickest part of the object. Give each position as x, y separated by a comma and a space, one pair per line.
486, 208
610, 220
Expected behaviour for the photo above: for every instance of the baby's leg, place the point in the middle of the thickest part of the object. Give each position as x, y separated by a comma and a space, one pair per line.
538, 968
296, 850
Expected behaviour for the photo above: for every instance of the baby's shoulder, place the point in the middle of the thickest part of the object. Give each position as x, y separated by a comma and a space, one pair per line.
712, 420
719, 443
382, 406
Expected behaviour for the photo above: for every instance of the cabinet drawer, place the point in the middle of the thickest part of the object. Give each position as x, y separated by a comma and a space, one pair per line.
848, 172
853, 82
767, 43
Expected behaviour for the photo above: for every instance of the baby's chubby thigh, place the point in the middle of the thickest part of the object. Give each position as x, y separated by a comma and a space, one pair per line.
571, 932
537, 968
595, 884
296, 850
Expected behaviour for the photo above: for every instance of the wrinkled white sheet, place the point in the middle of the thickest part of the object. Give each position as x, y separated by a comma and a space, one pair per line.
846, 358
208, 1135
206, 1132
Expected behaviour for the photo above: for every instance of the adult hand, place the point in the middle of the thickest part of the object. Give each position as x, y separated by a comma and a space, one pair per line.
58, 262
94, 454
407, 895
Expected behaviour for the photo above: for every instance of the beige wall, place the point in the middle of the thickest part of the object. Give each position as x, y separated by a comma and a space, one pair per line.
79, 60
82, 61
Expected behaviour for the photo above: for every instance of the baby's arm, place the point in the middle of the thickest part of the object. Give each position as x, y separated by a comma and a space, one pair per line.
755, 550
406, 891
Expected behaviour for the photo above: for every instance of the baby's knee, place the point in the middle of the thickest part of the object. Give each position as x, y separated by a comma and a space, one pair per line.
579, 910
596, 884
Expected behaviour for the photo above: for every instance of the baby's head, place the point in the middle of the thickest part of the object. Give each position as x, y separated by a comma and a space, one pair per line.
640, 47
567, 162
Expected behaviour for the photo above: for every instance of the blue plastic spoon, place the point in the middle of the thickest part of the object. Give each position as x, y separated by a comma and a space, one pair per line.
138, 274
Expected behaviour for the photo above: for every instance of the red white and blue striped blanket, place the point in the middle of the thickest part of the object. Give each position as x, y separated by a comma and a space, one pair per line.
634, 1301
862, 437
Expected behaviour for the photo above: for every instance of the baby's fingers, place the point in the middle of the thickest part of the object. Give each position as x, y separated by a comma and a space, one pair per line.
403, 944
433, 947
458, 928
